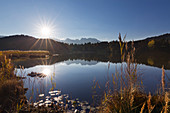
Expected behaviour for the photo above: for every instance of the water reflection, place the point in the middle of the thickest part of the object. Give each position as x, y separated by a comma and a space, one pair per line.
81, 62
46, 71
75, 77
74, 74
149, 59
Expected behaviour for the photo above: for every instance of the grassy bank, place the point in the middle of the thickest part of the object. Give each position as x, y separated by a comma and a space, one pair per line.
11, 88
124, 91
24, 54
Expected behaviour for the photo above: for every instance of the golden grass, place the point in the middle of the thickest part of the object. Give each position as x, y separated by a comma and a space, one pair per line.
128, 98
23, 52
18, 53
11, 88
0, 53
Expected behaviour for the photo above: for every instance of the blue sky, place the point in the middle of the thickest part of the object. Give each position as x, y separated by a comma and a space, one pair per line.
102, 19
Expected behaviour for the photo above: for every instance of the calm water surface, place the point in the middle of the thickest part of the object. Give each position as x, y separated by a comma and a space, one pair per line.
75, 77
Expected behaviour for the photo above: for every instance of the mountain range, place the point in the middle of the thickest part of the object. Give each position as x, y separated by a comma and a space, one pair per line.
79, 41
25, 42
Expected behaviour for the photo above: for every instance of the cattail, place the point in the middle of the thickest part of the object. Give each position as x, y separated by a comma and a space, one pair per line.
124, 37
120, 39
166, 102
5, 57
150, 107
149, 100
141, 111
132, 44
131, 100
126, 46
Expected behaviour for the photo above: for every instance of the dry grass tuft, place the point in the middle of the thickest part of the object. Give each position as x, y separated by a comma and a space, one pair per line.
141, 111
11, 88
126, 95
149, 105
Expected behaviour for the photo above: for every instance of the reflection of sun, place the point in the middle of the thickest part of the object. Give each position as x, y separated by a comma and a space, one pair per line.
46, 71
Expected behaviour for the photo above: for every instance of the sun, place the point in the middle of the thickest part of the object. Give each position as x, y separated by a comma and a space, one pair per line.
45, 31
45, 28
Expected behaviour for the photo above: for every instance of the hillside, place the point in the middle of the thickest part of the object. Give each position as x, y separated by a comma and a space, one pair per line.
153, 45
24, 42
161, 42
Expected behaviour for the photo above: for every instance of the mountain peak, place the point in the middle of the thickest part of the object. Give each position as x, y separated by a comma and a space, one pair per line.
80, 41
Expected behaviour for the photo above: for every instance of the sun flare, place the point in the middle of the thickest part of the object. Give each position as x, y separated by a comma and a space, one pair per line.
45, 28
45, 31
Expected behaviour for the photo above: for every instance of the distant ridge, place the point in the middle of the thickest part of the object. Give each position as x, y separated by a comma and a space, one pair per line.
80, 41
163, 36
25, 42
161, 43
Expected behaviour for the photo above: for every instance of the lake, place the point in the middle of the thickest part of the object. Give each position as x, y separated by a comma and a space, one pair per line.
75, 75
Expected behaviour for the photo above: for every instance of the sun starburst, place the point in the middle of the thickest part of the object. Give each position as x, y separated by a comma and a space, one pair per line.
45, 28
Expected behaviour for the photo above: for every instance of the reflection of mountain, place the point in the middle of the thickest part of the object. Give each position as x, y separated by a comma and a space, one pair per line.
82, 62
72, 57
92, 59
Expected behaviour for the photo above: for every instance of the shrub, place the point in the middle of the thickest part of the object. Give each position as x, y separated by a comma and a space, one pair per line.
151, 43
11, 93
11, 88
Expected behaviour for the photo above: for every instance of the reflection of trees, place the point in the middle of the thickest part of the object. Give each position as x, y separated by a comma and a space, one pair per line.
149, 58
154, 58
52, 60
150, 61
